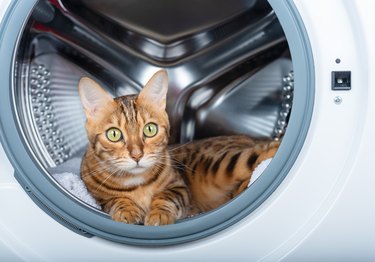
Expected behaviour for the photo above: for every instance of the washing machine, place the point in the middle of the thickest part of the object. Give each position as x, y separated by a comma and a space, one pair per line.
297, 71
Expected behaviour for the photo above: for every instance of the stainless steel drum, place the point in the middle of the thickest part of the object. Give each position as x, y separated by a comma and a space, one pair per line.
228, 62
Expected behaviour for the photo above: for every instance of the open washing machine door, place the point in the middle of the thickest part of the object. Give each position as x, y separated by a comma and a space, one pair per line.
232, 59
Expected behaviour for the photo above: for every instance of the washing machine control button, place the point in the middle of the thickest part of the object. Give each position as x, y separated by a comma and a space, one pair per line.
341, 80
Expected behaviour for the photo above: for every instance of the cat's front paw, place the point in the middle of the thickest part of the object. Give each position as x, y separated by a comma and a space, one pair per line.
128, 217
158, 218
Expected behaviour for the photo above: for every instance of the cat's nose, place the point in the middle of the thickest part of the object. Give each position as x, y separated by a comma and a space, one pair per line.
136, 155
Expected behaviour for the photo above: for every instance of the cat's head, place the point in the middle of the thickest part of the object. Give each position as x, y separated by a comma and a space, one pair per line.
129, 132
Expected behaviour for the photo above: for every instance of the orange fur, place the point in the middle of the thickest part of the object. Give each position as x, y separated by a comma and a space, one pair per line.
138, 179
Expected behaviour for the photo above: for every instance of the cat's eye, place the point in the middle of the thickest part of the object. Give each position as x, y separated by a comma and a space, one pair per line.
114, 134
150, 130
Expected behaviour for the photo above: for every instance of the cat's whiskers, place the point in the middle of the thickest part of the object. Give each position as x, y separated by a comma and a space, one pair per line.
100, 168
178, 147
111, 174
174, 163
178, 164
178, 155
96, 171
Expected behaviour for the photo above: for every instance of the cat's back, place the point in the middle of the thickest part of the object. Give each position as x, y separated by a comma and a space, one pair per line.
210, 148
218, 168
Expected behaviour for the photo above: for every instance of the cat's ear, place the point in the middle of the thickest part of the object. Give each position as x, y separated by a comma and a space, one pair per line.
94, 99
155, 91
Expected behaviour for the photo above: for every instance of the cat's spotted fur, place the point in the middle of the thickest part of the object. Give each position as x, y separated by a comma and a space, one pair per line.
138, 179
219, 168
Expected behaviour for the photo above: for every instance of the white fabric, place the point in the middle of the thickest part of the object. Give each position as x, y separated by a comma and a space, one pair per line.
259, 170
75, 185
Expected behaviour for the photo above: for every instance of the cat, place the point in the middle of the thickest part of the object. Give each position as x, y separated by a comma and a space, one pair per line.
138, 179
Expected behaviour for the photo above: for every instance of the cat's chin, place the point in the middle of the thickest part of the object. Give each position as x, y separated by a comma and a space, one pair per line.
132, 169
137, 170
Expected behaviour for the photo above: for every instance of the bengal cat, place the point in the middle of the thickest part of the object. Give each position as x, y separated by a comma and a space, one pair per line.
137, 179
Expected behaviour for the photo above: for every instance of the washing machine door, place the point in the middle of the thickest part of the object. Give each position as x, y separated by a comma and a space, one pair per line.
243, 66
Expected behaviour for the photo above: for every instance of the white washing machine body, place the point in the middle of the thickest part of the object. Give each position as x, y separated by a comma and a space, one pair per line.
322, 211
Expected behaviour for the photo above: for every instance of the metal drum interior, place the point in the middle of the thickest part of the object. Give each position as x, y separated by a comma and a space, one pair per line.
226, 67
229, 66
